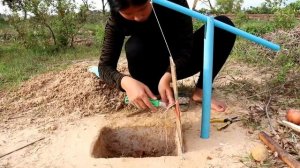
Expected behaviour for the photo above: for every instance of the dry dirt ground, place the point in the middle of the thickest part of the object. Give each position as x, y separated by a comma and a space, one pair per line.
72, 117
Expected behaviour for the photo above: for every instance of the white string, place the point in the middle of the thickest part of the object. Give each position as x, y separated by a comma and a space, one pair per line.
161, 29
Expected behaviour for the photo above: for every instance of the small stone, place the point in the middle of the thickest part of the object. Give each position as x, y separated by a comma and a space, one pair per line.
209, 158
275, 154
259, 153
53, 127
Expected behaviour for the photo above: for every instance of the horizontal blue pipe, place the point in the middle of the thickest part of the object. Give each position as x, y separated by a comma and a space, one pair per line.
218, 24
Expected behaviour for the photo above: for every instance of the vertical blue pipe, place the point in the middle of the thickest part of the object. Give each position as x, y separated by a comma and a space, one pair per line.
207, 77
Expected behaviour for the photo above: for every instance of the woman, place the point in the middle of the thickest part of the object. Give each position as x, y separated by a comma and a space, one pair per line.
148, 50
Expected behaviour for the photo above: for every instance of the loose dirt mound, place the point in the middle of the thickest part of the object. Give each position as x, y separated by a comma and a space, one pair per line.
73, 91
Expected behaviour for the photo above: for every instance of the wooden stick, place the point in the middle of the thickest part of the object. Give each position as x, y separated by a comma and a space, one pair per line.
177, 107
268, 116
290, 125
274, 146
1, 156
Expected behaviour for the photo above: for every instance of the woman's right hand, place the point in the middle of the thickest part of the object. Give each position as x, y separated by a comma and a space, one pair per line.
138, 93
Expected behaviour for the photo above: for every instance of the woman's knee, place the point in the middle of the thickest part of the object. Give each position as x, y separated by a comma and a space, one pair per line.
224, 34
225, 19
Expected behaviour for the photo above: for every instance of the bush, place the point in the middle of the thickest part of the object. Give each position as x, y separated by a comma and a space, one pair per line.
285, 18
257, 27
241, 17
99, 34
52, 25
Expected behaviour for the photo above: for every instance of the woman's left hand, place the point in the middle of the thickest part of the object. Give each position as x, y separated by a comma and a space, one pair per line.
165, 89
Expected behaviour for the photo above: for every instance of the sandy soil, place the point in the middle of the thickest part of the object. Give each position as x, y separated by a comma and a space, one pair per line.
66, 111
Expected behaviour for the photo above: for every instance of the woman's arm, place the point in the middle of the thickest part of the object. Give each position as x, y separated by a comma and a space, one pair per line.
111, 50
137, 92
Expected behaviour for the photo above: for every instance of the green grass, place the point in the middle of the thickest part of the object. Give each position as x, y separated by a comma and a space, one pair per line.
245, 51
92, 27
18, 64
257, 27
3, 24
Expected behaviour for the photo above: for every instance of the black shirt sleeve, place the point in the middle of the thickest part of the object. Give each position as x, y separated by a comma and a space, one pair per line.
111, 50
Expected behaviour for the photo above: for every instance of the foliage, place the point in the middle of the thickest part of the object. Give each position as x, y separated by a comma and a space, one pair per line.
197, 24
267, 7
205, 11
17, 5
275, 4
241, 17
99, 34
3, 23
18, 64
53, 24
285, 18
295, 6
263, 9
229, 6
257, 27
96, 17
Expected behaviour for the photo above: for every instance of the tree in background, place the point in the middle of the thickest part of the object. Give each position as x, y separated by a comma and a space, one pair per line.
229, 6
285, 17
104, 3
17, 5
203, 1
268, 7
52, 23
295, 6
275, 4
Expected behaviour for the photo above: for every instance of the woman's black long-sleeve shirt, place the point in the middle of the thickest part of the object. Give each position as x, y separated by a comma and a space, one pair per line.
177, 28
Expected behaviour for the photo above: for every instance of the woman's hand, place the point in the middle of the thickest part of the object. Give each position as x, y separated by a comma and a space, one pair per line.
165, 89
138, 93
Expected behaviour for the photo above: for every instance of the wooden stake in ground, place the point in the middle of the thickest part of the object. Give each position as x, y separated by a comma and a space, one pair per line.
177, 107
274, 146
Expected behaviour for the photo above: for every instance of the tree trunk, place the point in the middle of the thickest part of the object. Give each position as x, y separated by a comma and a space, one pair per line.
196, 1
25, 14
52, 33
211, 7
195, 4
103, 7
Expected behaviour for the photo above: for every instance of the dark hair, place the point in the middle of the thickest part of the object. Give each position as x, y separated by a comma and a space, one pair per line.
117, 5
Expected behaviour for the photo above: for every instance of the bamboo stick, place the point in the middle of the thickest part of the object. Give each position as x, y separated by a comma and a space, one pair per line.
290, 125
177, 107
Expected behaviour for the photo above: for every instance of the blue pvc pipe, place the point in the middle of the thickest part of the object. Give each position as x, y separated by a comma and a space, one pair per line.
207, 77
217, 23
208, 54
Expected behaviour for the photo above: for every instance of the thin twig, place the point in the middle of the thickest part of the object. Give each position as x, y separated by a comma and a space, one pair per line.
266, 110
1, 156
